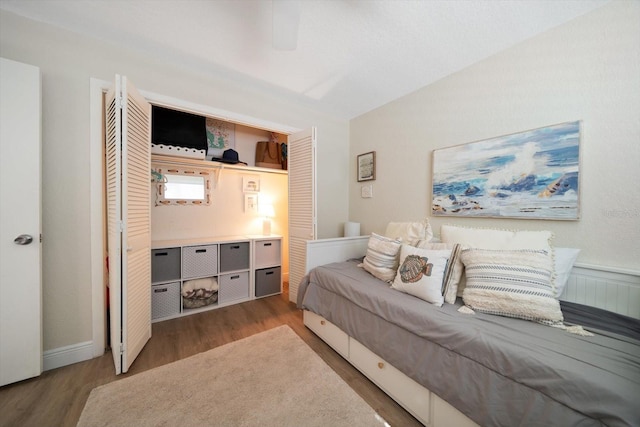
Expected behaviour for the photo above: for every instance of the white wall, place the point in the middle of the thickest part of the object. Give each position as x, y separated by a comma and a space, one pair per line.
67, 63
587, 69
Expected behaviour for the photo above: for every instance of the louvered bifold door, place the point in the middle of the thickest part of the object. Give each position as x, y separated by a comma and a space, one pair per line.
128, 194
136, 209
114, 219
302, 203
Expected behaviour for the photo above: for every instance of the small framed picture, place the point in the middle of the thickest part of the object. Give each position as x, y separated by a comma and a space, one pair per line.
367, 166
251, 203
251, 184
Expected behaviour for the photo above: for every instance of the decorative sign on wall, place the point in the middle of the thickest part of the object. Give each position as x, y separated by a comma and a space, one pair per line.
532, 174
221, 136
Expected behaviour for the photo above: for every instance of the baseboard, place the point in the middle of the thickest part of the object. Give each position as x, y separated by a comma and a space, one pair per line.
68, 355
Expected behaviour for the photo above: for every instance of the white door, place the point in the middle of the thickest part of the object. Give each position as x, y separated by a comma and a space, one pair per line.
20, 223
128, 148
301, 150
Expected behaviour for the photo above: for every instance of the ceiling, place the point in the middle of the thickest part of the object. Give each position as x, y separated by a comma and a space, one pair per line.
350, 57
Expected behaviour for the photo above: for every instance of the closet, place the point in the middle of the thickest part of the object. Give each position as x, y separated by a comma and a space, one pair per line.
137, 226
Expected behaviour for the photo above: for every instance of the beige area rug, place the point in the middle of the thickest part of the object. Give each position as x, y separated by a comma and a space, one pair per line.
269, 379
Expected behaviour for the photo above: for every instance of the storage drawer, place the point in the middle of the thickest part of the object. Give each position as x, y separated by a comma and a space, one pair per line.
268, 281
267, 253
165, 300
446, 415
199, 261
165, 265
401, 388
329, 332
233, 286
234, 256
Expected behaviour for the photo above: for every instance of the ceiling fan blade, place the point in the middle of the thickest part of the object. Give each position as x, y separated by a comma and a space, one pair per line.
286, 19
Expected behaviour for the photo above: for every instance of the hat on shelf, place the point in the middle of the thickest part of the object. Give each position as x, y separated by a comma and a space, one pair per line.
229, 156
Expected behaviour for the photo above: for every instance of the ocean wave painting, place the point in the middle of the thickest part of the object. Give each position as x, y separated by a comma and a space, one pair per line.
533, 174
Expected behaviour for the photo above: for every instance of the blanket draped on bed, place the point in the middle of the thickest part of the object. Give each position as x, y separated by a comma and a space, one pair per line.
498, 371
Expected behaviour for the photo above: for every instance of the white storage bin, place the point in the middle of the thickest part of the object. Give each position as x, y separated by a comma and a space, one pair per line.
233, 287
165, 300
199, 261
267, 253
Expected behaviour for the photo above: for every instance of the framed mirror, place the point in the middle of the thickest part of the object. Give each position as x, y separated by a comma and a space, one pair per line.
182, 186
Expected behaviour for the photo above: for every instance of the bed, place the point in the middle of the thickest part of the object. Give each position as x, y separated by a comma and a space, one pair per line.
447, 367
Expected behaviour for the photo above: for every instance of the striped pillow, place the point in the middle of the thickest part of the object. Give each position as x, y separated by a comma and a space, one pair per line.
513, 283
382, 257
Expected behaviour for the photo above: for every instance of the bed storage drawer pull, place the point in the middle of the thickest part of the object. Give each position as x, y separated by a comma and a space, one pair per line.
322, 322
380, 365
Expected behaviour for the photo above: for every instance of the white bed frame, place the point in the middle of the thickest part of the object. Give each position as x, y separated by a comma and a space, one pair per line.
613, 289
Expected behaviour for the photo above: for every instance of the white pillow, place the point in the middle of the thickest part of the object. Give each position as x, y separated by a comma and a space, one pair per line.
512, 283
488, 238
421, 273
564, 258
454, 271
381, 259
411, 233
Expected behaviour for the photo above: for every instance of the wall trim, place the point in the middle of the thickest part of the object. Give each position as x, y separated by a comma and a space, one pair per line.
67, 355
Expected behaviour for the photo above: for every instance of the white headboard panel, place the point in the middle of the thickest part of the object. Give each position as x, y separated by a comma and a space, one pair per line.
325, 251
607, 288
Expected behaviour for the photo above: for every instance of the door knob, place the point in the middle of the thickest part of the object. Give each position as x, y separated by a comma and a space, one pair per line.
23, 239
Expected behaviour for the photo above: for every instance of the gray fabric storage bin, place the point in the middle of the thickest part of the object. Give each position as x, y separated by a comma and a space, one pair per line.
234, 256
165, 265
268, 281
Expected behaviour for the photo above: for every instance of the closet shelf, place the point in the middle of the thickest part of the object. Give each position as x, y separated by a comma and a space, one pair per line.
184, 161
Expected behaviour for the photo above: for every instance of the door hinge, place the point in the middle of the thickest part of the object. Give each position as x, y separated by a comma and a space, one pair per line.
121, 348
120, 226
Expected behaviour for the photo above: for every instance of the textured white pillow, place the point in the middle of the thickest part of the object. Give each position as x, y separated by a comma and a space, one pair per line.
488, 238
381, 259
512, 283
421, 273
564, 258
411, 233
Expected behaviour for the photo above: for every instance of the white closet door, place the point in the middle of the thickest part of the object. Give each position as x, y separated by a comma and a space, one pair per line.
128, 118
302, 203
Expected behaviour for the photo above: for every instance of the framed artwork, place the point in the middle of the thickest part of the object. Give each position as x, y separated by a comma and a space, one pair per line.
367, 166
533, 174
221, 136
251, 184
251, 203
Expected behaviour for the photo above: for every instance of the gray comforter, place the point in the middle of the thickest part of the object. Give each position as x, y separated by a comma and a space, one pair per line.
498, 371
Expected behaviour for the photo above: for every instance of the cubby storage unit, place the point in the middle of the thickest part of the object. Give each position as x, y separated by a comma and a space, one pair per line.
239, 268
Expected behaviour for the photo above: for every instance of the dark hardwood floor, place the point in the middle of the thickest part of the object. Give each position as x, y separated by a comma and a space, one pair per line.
57, 397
